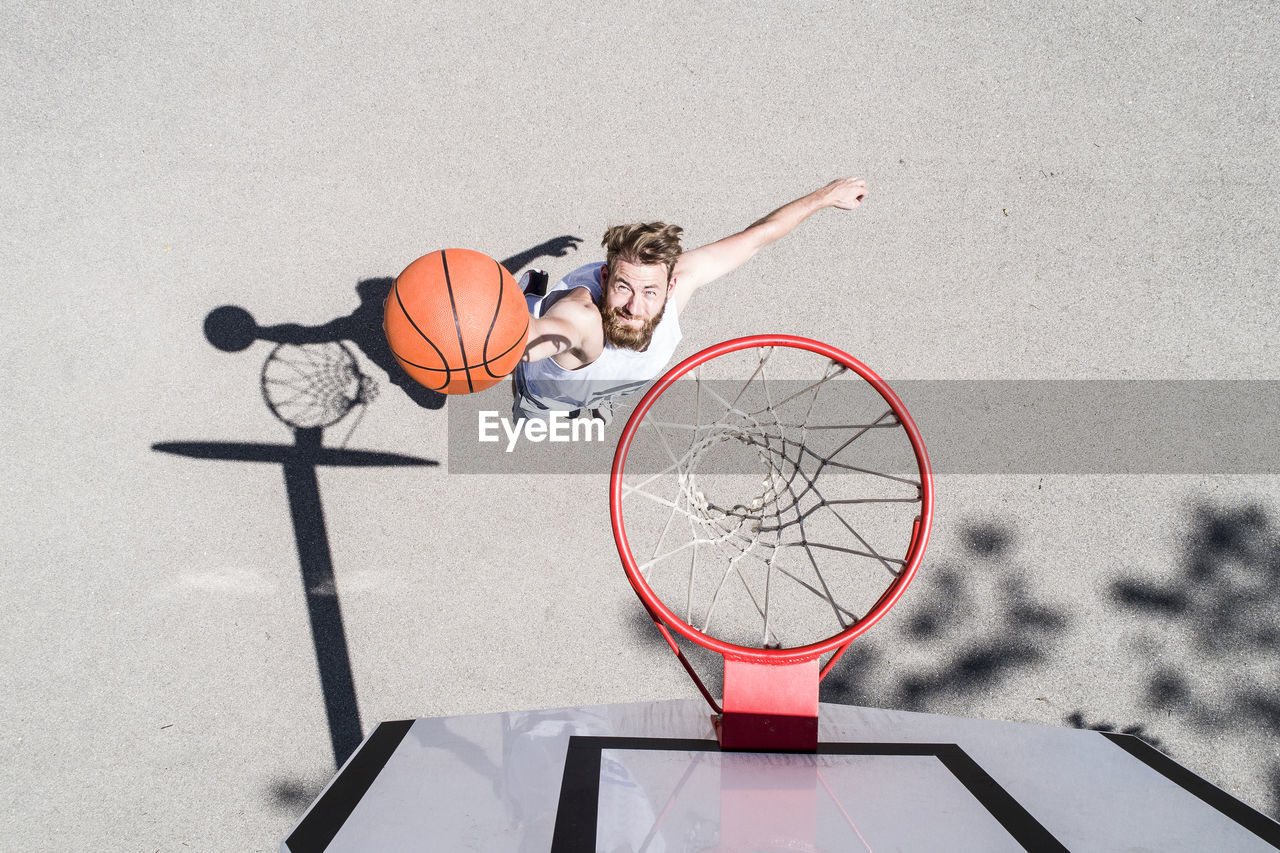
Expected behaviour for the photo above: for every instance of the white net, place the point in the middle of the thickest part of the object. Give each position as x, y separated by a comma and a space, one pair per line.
771, 511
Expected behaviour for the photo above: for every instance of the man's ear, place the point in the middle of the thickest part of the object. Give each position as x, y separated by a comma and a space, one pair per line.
671, 285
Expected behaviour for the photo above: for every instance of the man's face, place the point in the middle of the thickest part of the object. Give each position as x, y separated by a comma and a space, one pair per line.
635, 295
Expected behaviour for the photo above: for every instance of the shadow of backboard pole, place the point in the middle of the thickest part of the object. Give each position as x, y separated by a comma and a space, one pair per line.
315, 560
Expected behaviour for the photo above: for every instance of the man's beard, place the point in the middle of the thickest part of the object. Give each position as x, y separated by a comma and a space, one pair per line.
617, 333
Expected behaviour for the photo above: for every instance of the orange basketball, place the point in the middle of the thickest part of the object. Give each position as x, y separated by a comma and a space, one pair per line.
456, 321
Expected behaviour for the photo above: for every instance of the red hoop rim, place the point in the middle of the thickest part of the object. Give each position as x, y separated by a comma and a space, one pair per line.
919, 534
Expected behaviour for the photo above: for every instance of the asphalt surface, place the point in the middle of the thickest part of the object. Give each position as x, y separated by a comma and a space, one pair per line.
1053, 194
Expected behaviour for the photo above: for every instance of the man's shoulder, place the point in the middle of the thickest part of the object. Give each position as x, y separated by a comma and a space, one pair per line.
575, 299
585, 276
576, 310
592, 270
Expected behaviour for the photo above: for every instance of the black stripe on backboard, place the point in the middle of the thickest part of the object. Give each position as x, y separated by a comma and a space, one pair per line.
575, 828
1016, 820
580, 786
1001, 805
579, 799
457, 324
331, 811
1254, 821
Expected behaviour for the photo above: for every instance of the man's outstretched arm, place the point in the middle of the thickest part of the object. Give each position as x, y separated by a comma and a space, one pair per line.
705, 264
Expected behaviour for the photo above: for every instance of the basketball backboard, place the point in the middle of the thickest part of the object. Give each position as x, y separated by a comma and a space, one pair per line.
651, 777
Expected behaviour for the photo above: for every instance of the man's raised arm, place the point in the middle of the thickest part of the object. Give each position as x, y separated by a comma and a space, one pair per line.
705, 264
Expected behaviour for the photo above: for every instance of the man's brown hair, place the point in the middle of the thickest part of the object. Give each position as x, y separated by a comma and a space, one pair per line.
643, 243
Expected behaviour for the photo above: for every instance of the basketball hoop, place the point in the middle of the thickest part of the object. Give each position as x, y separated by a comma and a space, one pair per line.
768, 528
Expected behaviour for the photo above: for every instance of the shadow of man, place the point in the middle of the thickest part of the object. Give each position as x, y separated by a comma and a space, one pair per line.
231, 328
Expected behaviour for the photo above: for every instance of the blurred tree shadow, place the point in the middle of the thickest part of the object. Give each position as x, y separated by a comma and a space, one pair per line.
1224, 605
708, 664
292, 796
1077, 720
1227, 596
231, 328
852, 681
985, 610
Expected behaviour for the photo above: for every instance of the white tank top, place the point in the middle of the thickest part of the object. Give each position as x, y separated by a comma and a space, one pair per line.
615, 373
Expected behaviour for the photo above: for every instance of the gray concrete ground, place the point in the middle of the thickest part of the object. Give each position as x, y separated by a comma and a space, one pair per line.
1054, 193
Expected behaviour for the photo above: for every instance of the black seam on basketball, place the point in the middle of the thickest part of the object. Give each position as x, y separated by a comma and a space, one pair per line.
457, 323
395, 289
484, 364
497, 309
404, 362
520, 340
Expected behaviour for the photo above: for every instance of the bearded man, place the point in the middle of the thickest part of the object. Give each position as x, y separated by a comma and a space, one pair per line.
606, 329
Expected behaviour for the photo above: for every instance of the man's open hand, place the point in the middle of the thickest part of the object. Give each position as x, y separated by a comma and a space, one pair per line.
845, 193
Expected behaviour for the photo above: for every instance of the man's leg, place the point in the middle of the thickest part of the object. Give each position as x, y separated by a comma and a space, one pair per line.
603, 411
534, 285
